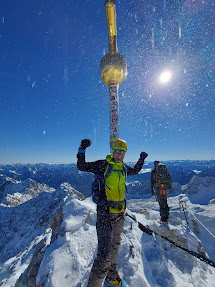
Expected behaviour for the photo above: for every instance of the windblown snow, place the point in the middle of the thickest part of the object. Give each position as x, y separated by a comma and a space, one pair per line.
50, 239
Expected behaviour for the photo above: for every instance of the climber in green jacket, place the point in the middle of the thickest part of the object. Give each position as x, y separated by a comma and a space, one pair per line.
111, 206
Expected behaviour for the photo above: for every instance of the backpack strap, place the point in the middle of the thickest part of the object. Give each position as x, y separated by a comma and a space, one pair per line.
108, 171
125, 170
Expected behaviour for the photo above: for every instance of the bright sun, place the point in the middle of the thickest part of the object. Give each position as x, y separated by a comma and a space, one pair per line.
165, 77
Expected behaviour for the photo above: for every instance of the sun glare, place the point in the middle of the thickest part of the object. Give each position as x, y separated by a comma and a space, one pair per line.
165, 77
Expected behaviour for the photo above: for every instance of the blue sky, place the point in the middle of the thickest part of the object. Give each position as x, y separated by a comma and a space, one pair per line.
51, 94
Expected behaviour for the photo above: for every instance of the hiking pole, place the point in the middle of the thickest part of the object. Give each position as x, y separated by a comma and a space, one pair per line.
150, 232
182, 206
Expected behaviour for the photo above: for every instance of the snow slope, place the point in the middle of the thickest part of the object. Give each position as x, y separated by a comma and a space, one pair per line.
143, 259
63, 249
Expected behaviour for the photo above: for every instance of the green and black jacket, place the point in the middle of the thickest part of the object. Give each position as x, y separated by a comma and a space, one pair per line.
114, 186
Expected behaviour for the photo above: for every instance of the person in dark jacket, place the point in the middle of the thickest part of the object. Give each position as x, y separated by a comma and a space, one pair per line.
161, 195
111, 208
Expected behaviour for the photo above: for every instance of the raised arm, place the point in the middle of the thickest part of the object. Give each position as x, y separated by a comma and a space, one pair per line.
97, 167
138, 166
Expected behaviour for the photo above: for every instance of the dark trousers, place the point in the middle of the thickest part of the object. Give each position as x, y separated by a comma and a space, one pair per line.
164, 208
109, 228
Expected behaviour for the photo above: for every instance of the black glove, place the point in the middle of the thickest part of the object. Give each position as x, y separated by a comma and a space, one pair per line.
85, 143
143, 155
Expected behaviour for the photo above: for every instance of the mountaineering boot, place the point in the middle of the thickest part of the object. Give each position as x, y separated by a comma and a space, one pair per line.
117, 283
164, 221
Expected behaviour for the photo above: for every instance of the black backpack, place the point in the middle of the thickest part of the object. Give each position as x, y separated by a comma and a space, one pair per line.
98, 183
162, 177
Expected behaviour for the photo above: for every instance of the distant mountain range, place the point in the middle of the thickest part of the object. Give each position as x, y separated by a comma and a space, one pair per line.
14, 192
54, 175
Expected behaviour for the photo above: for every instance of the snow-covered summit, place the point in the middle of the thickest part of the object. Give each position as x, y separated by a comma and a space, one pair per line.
17, 192
67, 187
51, 241
200, 189
5, 180
25, 226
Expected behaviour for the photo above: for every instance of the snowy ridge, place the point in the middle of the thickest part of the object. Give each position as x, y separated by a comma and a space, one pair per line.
200, 190
51, 240
17, 192
143, 259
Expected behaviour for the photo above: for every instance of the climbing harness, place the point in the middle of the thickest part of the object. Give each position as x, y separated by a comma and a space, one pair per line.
150, 232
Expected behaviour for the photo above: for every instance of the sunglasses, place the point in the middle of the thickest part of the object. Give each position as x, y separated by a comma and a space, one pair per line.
119, 151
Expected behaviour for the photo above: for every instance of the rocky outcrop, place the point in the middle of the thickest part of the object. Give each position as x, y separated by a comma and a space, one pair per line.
198, 184
15, 192
28, 278
67, 187
56, 224
200, 190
